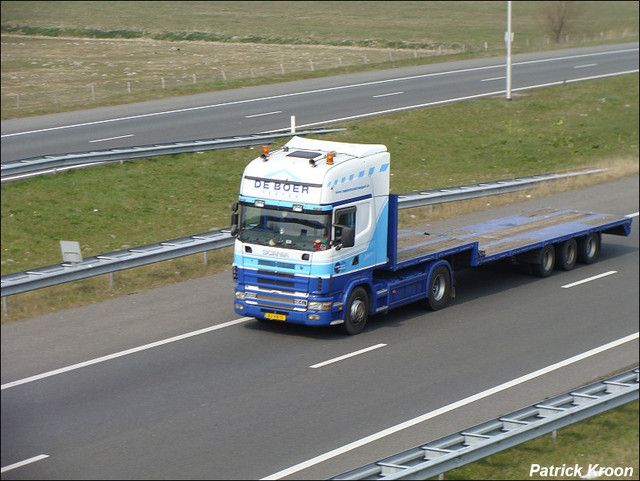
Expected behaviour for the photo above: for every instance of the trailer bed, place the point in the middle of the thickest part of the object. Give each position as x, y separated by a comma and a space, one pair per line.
505, 237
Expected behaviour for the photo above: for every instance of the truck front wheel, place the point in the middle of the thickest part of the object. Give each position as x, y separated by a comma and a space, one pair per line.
439, 288
357, 312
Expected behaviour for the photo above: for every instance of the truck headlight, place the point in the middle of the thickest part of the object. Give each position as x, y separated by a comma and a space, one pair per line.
319, 306
240, 295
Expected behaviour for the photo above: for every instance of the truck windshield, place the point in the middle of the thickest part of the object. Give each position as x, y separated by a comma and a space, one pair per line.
285, 228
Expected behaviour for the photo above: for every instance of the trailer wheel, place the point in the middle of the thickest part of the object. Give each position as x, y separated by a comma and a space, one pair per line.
546, 261
439, 288
357, 312
589, 248
567, 254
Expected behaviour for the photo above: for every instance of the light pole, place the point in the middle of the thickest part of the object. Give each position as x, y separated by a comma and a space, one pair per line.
508, 38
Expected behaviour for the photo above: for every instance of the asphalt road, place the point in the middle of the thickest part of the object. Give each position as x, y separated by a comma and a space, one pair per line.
169, 384
314, 103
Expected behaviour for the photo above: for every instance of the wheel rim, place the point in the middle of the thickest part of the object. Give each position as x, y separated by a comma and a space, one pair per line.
357, 311
439, 287
570, 254
547, 261
591, 247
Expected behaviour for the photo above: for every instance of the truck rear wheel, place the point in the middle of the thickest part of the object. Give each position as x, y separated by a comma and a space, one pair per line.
546, 261
357, 312
589, 248
439, 288
567, 254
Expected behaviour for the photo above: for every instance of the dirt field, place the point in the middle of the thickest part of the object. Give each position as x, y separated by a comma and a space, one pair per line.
40, 71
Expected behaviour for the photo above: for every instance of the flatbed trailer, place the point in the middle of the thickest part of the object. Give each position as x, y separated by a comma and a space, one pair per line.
505, 237
540, 239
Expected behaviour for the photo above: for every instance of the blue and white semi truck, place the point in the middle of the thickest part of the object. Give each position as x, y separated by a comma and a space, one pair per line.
317, 239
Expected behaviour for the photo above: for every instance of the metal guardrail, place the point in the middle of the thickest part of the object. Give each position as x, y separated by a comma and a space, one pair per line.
465, 192
484, 439
53, 162
38, 278
114, 261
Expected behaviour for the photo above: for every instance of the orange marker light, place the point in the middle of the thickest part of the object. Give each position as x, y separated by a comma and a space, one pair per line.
330, 158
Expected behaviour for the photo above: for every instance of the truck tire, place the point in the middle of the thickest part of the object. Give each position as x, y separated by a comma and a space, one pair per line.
439, 288
567, 255
356, 312
546, 261
589, 248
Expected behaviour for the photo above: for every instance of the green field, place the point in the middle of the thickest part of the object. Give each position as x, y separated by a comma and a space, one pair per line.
348, 23
60, 56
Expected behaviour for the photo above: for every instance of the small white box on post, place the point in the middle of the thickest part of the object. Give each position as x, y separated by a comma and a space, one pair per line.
71, 251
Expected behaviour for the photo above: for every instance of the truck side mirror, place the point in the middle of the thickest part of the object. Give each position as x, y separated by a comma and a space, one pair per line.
348, 237
234, 219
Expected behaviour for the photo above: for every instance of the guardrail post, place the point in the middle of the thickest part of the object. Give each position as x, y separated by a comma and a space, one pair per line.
4, 307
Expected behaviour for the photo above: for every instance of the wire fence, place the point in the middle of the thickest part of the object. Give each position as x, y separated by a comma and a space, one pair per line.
27, 97
129, 84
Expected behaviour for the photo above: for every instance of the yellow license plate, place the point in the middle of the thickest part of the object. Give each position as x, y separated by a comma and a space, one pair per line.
277, 317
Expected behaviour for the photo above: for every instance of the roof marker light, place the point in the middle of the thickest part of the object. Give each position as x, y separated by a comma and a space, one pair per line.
265, 152
330, 158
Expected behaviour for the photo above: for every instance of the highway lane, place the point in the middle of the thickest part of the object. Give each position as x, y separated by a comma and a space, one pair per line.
313, 103
244, 402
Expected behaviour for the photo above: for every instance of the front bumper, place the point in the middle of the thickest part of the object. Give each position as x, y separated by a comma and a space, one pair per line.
307, 317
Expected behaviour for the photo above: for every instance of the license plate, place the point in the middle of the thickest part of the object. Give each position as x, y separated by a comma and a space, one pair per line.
277, 317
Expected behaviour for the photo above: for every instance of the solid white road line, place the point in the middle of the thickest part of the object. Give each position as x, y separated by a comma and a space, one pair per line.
22, 463
346, 356
125, 353
449, 407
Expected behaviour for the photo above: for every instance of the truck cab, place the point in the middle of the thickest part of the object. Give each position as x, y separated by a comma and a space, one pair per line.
310, 225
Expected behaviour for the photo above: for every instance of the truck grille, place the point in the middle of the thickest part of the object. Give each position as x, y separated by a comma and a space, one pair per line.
276, 301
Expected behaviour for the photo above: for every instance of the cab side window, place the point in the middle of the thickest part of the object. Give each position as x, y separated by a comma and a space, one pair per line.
344, 218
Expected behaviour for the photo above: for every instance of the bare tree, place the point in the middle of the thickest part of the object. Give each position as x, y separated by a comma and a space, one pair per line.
558, 16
